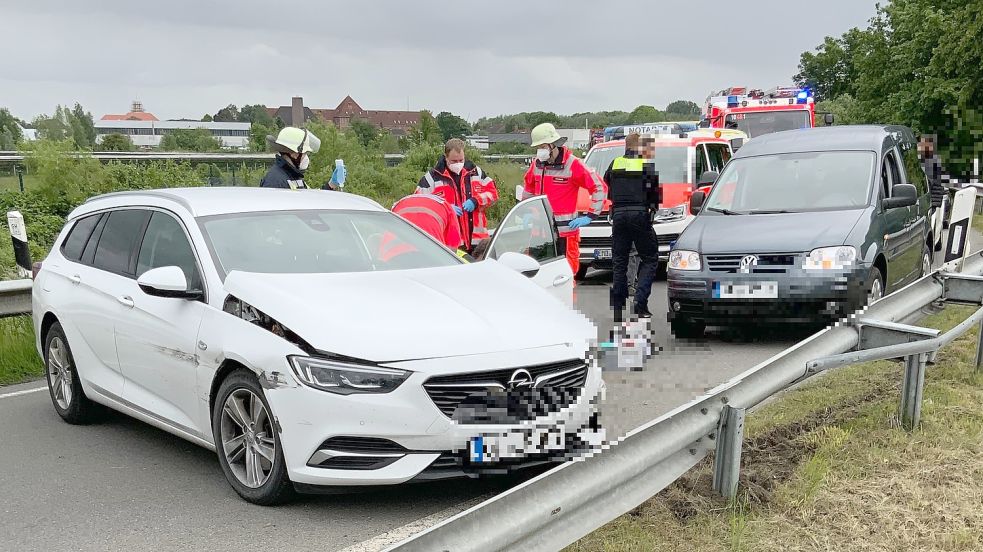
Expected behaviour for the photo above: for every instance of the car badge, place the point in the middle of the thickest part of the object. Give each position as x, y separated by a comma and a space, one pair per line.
520, 378
747, 262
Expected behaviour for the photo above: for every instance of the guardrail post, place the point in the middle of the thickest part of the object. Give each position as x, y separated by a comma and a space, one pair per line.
979, 347
727, 459
18, 234
911, 390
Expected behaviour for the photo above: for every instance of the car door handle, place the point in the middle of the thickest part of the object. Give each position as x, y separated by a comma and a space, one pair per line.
560, 280
126, 301
76, 279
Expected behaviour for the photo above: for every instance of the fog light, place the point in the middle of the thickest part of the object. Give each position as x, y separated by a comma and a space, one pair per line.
676, 306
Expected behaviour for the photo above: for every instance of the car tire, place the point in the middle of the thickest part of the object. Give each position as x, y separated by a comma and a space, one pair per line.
685, 328
926, 261
242, 432
874, 285
64, 385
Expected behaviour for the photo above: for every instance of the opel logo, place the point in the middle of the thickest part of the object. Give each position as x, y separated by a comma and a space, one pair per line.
747, 262
520, 378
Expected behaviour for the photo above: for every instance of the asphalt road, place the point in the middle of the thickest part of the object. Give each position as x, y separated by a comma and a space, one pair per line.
123, 485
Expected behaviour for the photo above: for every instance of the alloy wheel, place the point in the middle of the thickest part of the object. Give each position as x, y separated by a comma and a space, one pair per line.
876, 291
926, 264
60, 373
248, 442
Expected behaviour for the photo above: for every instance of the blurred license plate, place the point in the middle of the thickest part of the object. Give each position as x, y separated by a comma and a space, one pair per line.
518, 444
602, 253
752, 290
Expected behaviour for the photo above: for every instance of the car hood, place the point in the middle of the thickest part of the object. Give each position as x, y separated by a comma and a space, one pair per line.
779, 233
471, 309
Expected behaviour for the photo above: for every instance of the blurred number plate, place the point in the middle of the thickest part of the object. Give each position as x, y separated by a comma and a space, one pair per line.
754, 290
602, 253
490, 448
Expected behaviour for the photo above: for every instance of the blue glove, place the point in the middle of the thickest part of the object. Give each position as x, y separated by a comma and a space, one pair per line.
458, 210
578, 222
469, 205
338, 176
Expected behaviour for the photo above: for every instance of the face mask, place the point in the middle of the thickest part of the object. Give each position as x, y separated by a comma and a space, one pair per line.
305, 162
543, 154
456, 168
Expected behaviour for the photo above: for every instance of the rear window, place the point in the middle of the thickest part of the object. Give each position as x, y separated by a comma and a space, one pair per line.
119, 239
78, 236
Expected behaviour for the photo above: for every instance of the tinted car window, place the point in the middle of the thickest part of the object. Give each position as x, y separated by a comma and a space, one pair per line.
90, 247
719, 155
119, 238
914, 171
78, 237
165, 244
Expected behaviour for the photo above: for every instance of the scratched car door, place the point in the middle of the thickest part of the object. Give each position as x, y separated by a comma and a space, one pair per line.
156, 337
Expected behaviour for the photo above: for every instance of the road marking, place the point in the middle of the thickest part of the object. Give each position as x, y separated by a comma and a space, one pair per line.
399, 534
24, 392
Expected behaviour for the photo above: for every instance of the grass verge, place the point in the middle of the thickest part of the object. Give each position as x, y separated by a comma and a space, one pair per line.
827, 467
19, 360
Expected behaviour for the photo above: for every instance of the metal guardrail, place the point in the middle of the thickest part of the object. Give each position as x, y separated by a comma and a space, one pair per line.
15, 297
566, 503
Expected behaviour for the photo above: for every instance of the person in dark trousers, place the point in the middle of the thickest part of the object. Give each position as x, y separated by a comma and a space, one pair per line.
293, 147
933, 170
633, 188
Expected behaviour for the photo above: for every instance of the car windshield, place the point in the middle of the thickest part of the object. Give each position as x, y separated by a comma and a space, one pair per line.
757, 123
793, 182
669, 161
319, 241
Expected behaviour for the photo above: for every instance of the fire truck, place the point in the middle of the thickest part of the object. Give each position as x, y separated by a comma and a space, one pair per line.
755, 112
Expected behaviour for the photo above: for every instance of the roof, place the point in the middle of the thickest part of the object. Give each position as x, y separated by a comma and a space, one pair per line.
202, 201
131, 116
842, 137
110, 124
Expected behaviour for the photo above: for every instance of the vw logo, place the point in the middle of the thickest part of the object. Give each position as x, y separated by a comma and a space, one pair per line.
747, 262
520, 378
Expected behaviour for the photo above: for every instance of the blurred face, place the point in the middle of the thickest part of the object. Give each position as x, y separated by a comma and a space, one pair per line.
925, 147
455, 156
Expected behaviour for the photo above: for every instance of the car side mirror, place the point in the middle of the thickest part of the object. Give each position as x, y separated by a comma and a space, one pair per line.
696, 201
518, 192
520, 263
707, 178
902, 195
167, 281
828, 119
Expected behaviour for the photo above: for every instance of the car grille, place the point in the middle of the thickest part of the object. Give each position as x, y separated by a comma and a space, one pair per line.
485, 397
768, 263
590, 242
667, 239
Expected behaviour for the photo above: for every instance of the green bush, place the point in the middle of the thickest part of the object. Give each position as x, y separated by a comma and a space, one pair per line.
19, 360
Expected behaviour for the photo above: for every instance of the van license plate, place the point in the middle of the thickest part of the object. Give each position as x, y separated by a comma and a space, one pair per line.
753, 290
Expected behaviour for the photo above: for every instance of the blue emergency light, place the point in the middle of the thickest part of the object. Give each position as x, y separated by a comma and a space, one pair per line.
803, 96
731, 101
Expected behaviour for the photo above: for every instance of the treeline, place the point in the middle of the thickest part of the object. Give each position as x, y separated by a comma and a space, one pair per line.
918, 63
679, 110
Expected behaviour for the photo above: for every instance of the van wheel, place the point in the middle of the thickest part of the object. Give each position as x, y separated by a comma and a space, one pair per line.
64, 385
926, 260
247, 441
874, 287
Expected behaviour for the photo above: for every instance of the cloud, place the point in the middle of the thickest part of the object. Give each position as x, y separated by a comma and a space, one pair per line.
183, 58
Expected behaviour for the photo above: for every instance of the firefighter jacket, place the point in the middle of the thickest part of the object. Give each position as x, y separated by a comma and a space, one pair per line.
561, 182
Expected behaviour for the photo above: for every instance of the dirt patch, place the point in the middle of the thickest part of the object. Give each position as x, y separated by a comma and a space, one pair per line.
767, 460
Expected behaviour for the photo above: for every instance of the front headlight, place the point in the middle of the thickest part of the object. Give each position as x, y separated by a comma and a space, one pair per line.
680, 259
345, 379
670, 214
831, 258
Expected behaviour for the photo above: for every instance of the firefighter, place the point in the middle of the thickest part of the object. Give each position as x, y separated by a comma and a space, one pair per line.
559, 175
293, 147
466, 187
633, 185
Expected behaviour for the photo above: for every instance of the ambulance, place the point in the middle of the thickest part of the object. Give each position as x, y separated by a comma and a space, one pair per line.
683, 164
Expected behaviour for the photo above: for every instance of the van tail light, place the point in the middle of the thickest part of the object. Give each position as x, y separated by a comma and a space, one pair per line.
35, 268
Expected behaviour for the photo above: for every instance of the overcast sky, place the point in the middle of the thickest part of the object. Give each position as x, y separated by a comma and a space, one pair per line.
185, 58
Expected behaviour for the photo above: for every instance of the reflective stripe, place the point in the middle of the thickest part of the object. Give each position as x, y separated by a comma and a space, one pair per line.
565, 218
628, 165
432, 184
423, 210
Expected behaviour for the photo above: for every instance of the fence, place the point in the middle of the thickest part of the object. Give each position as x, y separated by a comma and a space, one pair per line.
558, 507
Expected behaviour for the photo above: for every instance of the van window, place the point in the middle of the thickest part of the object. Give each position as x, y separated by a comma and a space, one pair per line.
891, 171
123, 230
78, 236
913, 169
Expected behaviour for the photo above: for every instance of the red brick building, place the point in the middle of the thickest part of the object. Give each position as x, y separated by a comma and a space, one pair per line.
296, 114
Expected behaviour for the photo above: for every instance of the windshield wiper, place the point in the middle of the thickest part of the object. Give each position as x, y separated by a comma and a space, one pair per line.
770, 212
724, 211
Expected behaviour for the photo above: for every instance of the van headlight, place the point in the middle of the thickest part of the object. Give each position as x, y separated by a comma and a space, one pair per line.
345, 379
680, 259
831, 258
670, 214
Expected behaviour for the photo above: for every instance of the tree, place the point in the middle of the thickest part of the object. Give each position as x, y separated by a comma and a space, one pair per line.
364, 130
645, 114
190, 139
256, 113
509, 148
116, 142
10, 132
683, 109
83, 128
207, 118
228, 114
452, 126
258, 134
426, 131
830, 71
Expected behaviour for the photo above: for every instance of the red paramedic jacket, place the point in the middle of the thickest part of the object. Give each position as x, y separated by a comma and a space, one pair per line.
433, 215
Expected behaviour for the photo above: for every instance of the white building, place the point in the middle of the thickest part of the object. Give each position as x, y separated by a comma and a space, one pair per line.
477, 141
577, 138
148, 134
